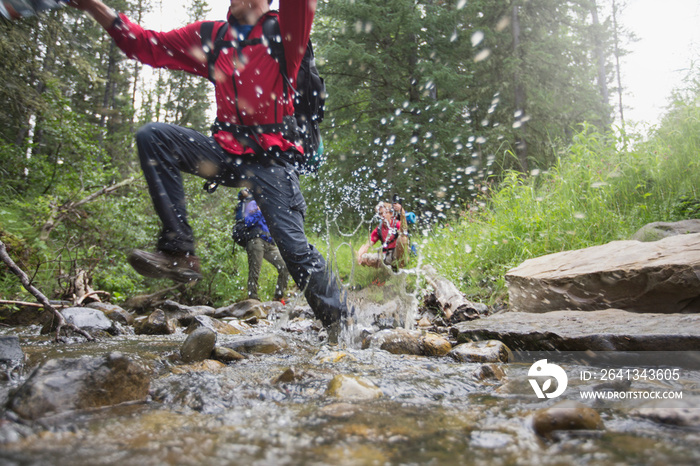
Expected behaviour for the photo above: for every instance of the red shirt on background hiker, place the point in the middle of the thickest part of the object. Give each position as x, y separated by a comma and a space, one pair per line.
387, 232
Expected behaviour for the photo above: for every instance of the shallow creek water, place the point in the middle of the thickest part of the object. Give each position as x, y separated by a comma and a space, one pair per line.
432, 411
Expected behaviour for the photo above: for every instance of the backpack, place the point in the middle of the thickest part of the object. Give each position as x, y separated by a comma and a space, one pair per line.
240, 233
309, 95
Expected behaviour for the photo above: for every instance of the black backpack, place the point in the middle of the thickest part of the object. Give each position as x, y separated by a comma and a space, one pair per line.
309, 95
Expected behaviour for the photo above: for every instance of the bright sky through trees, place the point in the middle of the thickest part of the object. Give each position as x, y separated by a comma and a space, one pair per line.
669, 41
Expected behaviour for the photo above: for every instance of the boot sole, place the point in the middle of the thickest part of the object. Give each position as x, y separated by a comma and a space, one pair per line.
150, 270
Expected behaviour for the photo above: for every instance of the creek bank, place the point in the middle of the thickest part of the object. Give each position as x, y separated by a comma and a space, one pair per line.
659, 277
200, 373
606, 330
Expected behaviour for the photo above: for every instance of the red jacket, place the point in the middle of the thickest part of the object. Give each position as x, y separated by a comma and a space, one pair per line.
389, 232
257, 77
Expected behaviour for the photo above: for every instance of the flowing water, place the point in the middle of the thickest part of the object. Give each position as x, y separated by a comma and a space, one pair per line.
432, 411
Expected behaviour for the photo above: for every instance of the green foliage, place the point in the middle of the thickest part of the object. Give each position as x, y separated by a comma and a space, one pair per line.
596, 193
422, 96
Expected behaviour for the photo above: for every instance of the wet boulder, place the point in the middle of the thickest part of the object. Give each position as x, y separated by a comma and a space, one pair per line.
61, 385
566, 415
489, 351
11, 355
266, 344
608, 330
182, 313
226, 355
435, 345
395, 341
489, 371
682, 413
93, 321
655, 277
113, 312
349, 387
243, 310
216, 325
155, 324
198, 345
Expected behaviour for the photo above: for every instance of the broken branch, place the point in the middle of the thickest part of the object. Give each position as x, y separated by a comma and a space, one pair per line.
24, 279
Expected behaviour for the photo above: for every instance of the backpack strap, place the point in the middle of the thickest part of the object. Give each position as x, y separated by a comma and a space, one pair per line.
213, 49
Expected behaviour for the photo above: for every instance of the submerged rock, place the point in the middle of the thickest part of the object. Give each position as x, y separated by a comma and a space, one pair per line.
207, 365
11, 356
10, 350
684, 413
266, 344
566, 415
395, 341
657, 277
61, 385
489, 371
349, 387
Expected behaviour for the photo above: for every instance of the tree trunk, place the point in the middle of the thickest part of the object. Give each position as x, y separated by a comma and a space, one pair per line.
616, 38
519, 93
600, 57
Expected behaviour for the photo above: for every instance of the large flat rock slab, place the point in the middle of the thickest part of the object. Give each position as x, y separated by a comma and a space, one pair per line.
658, 277
606, 330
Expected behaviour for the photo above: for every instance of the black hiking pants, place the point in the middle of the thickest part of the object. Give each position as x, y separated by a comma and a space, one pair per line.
165, 151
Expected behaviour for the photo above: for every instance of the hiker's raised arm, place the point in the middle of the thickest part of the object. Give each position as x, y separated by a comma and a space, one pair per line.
103, 14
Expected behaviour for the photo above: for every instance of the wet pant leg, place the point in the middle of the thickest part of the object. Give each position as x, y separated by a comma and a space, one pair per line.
276, 190
165, 151
255, 248
272, 255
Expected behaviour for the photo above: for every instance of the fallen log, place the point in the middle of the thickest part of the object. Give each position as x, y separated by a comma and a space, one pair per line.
451, 301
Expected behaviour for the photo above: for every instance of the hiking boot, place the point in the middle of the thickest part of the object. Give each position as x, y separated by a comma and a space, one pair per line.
179, 266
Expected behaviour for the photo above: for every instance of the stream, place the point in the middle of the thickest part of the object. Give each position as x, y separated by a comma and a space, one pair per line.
430, 410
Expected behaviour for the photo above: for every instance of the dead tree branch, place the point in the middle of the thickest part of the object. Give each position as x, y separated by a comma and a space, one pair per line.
450, 299
58, 213
24, 279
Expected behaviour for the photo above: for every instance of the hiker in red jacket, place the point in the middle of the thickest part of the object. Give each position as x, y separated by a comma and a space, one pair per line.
387, 232
247, 149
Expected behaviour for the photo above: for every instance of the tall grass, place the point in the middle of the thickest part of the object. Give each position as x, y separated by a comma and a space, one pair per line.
595, 193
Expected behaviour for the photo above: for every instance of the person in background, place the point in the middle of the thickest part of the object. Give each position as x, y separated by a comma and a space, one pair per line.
259, 245
388, 232
248, 148
403, 245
